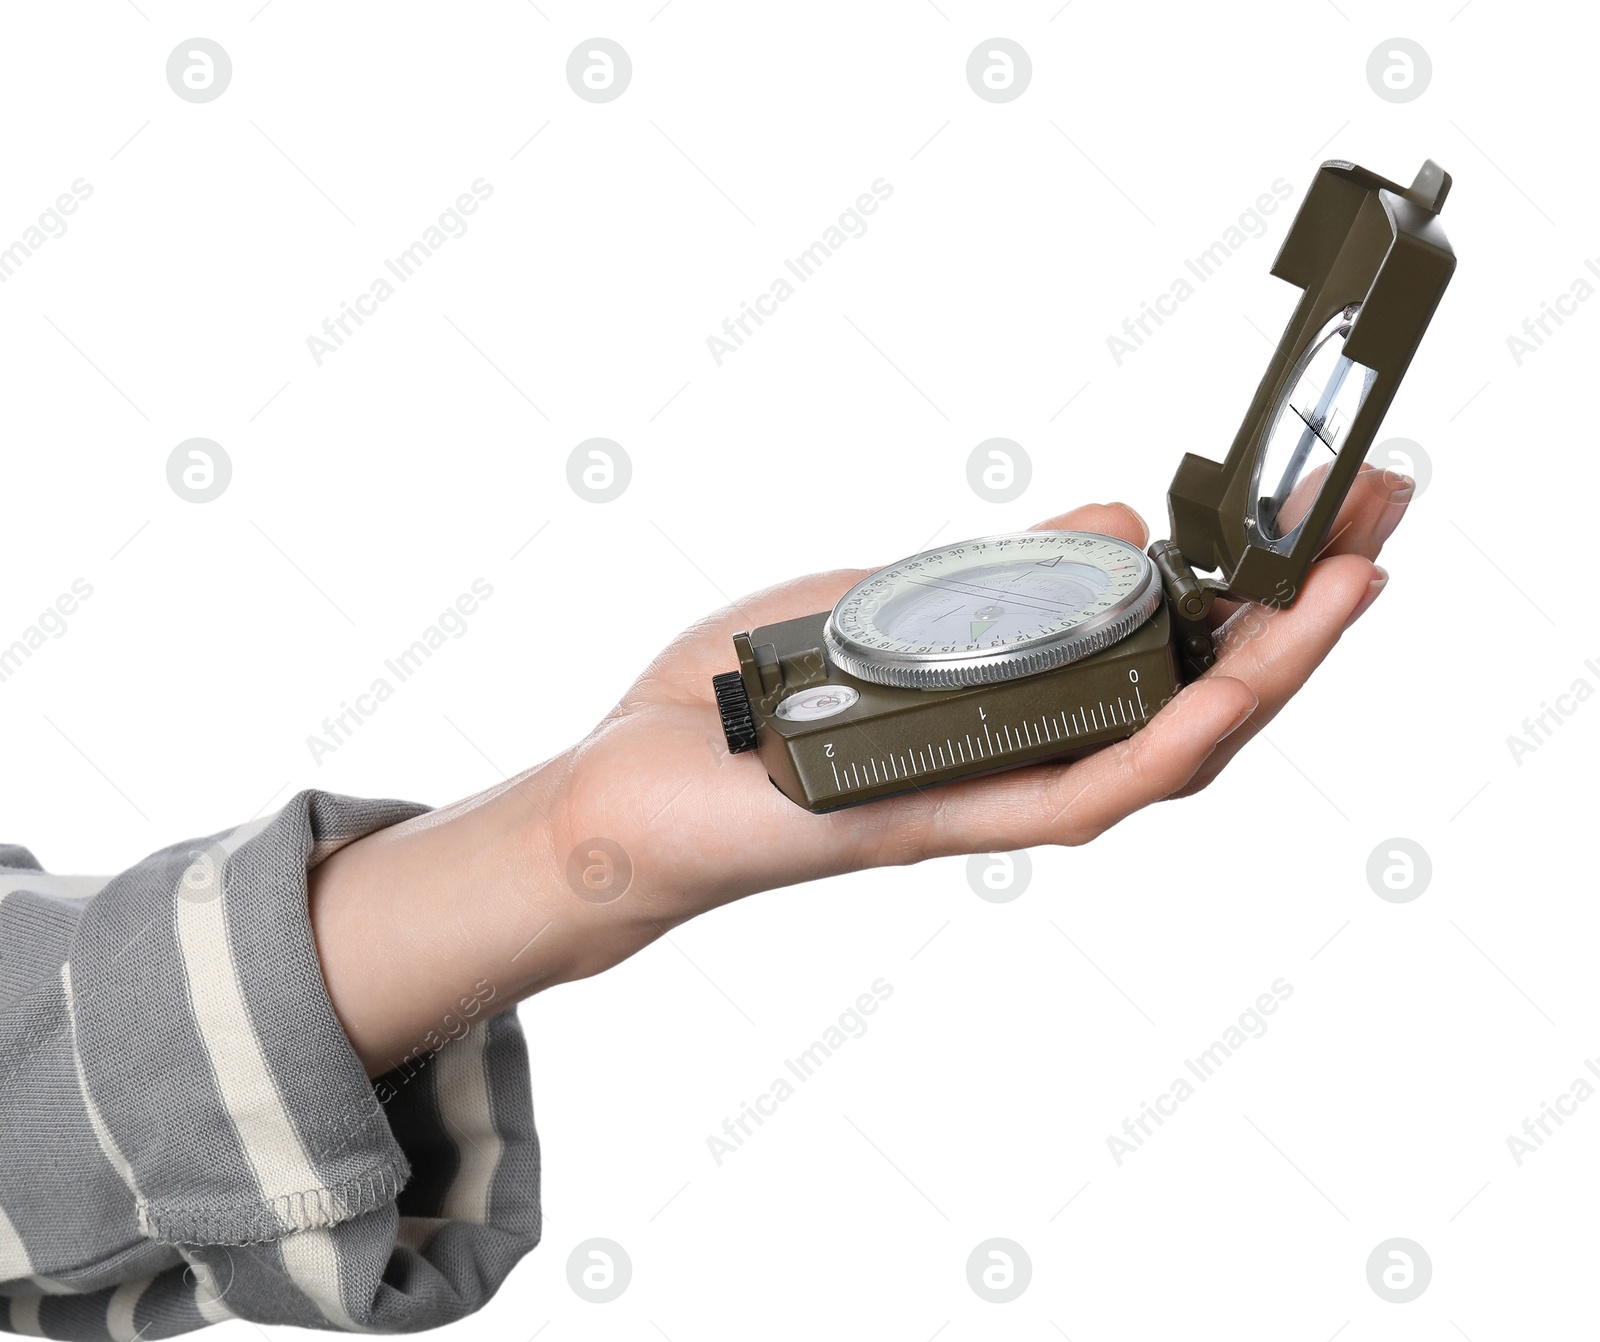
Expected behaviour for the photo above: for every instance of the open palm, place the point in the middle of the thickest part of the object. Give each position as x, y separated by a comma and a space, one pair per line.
702, 827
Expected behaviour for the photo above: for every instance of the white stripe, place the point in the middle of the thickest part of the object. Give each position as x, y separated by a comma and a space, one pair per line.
463, 1089
211, 1308
42, 882
102, 1134
313, 1263
206, 1297
14, 1260
119, 1312
48, 1287
25, 1315
283, 1169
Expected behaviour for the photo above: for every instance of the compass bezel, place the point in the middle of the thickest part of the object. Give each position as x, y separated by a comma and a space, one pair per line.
960, 669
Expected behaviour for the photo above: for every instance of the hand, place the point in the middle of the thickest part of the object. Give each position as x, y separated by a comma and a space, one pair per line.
698, 827
704, 827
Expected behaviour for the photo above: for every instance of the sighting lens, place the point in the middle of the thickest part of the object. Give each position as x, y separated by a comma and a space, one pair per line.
1325, 391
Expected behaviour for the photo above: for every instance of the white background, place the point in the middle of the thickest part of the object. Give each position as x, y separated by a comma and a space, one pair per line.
372, 490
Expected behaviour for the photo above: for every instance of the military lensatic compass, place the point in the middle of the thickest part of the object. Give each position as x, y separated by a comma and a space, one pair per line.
988, 654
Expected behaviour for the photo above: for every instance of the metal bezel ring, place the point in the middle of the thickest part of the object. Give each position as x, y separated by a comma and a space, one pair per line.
946, 671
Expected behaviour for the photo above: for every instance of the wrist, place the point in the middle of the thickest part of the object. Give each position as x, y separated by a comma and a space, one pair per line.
427, 922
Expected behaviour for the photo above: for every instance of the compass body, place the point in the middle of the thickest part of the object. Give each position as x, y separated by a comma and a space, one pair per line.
829, 739
1044, 645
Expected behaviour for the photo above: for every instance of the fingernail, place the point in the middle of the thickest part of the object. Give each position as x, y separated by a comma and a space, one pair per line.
1244, 717
1392, 514
1380, 580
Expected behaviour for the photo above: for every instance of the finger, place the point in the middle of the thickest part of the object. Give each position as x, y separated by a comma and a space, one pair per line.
818, 591
1366, 519
683, 668
1060, 804
1109, 519
1275, 651
1369, 514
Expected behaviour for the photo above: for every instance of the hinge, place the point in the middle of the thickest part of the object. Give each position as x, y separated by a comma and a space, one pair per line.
1189, 601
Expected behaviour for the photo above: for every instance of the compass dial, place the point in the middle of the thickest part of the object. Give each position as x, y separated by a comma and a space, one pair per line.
992, 609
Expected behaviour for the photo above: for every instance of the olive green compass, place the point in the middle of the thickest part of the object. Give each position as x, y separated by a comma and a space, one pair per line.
1044, 645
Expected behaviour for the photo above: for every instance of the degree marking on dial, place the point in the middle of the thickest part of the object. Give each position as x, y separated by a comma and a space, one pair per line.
955, 585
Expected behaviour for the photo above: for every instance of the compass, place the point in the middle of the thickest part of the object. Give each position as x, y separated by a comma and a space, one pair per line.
992, 609
1014, 649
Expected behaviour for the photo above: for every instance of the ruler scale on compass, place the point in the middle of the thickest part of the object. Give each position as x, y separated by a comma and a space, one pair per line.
1008, 650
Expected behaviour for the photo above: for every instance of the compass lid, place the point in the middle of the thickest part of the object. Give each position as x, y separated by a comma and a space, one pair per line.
1373, 263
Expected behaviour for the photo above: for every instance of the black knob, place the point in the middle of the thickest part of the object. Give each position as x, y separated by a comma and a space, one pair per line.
734, 705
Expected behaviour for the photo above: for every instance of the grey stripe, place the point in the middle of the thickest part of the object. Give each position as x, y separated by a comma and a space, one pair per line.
46, 1131
120, 1308
324, 1088
25, 1315
168, 1306
147, 1067
35, 932
168, 1054
14, 855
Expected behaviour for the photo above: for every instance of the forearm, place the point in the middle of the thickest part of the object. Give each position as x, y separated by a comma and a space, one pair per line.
428, 926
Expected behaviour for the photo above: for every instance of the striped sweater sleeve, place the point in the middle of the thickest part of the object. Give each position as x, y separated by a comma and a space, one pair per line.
186, 1134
